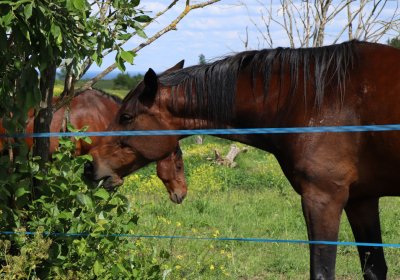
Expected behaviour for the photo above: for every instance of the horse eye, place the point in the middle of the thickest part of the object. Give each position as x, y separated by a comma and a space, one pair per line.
125, 118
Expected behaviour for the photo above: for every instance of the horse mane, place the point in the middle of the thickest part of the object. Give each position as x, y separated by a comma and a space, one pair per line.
212, 87
103, 93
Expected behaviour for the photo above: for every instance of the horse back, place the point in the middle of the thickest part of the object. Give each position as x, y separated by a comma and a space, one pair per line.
365, 162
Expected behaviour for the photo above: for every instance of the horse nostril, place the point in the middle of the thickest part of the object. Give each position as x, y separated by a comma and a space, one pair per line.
88, 169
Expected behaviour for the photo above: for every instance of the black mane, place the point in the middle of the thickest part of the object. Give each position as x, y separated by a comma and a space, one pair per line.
101, 92
213, 86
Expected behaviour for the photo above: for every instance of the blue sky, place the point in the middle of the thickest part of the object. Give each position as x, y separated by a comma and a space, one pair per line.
214, 31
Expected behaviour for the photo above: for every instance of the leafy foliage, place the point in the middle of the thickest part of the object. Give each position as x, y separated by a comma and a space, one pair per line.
36, 37
37, 34
65, 204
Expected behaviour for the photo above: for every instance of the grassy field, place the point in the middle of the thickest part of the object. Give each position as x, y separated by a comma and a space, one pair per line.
252, 200
106, 85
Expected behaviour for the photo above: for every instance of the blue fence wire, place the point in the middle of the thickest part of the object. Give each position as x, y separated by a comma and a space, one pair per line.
239, 239
237, 131
225, 131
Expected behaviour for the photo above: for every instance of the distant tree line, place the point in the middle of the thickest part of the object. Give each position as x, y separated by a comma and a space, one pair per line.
125, 81
395, 42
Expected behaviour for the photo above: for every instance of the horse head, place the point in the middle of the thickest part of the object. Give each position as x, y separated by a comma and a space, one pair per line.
144, 108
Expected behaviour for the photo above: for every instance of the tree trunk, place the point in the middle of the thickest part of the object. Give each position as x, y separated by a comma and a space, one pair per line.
198, 140
229, 159
43, 118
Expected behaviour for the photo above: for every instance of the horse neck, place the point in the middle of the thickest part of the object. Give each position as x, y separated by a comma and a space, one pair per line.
255, 109
186, 121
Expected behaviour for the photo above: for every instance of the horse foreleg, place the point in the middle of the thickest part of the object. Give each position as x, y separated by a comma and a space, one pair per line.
322, 212
363, 215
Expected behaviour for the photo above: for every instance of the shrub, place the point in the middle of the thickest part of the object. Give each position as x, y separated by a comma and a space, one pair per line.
62, 206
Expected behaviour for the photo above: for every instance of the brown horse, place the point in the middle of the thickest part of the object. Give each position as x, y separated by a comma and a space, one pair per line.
353, 83
96, 109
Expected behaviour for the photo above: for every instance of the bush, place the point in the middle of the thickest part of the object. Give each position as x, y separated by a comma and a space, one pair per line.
65, 205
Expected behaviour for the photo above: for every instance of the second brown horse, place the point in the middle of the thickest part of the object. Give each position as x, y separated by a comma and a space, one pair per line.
96, 109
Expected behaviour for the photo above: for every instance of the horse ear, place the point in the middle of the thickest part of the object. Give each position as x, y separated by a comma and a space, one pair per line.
150, 81
177, 66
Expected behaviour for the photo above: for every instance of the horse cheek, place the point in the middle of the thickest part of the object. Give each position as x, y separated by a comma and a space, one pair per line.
155, 148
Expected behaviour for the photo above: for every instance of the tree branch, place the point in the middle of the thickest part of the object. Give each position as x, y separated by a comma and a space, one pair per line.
171, 26
88, 61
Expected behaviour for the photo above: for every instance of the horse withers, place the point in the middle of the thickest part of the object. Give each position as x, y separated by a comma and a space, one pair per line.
95, 109
353, 83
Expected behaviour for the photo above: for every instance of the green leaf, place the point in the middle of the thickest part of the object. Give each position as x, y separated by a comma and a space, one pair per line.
59, 39
28, 11
65, 215
102, 193
69, 5
84, 200
141, 33
87, 139
98, 268
71, 128
127, 56
79, 4
55, 30
120, 62
6, 20
142, 18
21, 191
95, 57
124, 37
86, 157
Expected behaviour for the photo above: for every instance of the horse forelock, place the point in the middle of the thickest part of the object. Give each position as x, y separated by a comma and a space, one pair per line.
211, 88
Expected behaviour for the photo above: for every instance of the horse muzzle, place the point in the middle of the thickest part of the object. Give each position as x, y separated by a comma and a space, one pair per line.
177, 196
109, 182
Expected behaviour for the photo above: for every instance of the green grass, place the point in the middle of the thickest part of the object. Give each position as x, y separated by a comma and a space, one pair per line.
106, 85
252, 200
